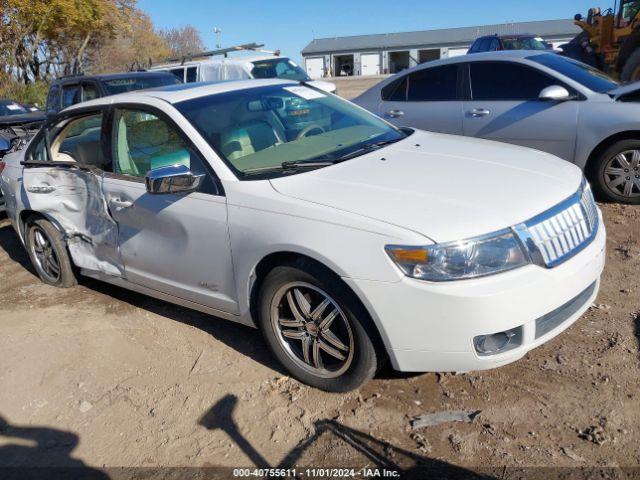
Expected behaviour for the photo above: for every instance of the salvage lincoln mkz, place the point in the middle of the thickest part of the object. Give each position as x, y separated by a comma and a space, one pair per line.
347, 241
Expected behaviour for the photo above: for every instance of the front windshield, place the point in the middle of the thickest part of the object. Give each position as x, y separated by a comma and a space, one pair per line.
279, 68
582, 73
122, 85
257, 130
525, 43
11, 108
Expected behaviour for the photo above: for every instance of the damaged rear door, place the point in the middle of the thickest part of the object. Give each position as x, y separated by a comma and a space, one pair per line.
62, 180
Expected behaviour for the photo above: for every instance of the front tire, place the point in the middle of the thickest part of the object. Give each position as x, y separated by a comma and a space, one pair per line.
48, 253
631, 70
316, 328
615, 174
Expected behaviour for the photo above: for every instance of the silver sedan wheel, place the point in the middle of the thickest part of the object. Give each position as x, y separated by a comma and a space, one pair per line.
312, 329
44, 254
622, 174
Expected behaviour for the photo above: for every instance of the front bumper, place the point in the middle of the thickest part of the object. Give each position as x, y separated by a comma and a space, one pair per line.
431, 326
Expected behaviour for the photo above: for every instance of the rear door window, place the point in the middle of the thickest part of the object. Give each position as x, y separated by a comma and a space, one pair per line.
433, 84
79, 141
507, 81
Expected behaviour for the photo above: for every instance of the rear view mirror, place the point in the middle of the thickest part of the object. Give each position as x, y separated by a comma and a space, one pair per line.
555, 93
172, 179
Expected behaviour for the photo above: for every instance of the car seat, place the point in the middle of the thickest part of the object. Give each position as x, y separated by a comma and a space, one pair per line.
247, 138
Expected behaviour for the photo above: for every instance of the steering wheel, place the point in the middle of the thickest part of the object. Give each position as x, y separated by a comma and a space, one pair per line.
308, 129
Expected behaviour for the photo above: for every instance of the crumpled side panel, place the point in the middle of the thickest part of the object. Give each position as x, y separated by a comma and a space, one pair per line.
74, 199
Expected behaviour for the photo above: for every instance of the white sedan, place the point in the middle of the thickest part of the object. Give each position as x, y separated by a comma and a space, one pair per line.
347, 241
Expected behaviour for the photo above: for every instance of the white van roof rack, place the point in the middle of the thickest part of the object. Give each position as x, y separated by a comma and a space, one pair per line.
256, 47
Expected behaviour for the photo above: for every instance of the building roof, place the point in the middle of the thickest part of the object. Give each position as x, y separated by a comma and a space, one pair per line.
446, 36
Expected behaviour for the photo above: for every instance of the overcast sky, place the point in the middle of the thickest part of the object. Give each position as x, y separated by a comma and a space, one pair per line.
289, 25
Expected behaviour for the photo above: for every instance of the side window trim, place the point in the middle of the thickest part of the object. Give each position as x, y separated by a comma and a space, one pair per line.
110, 138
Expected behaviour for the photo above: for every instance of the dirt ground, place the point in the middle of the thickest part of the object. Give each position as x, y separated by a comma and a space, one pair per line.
99, 376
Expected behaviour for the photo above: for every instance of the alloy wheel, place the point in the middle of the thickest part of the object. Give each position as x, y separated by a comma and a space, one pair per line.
44, 254
622, 174
312, 329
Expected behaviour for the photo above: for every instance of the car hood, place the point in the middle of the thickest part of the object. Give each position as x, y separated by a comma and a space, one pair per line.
444, 187
326, 86
30, 117
619, 92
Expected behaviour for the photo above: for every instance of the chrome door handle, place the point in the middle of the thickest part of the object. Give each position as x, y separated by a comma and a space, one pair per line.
41, 189
395, 113
116, 202
480, 112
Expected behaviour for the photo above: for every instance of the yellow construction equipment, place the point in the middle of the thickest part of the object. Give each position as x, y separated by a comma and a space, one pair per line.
610, 40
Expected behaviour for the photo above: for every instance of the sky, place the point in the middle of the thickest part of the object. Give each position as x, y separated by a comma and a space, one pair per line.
289, 25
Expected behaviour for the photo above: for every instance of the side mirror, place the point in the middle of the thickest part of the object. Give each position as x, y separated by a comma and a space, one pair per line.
172, 179
555, 93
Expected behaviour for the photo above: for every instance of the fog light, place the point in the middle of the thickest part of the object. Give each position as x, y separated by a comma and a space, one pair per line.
498, 342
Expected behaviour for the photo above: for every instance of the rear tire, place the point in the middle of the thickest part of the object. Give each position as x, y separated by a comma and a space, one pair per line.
48, 253
615, 173
316, 328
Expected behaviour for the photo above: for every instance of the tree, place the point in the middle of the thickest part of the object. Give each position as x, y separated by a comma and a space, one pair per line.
42, 39
183, 40
136, 47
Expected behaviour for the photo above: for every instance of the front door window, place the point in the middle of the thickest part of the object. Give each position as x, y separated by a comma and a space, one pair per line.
144, 142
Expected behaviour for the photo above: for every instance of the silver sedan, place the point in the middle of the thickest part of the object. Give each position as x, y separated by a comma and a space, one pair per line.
539, 100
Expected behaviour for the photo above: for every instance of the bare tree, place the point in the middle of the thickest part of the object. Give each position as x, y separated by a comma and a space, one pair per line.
183, 41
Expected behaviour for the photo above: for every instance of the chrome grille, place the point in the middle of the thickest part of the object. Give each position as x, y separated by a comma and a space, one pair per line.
564, 230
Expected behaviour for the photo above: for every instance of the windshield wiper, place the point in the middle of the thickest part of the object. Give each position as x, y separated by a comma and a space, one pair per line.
306, 163
366, 148
290, 165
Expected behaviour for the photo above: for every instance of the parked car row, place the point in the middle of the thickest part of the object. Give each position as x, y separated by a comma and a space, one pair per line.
18, 123
529, 98
347, 240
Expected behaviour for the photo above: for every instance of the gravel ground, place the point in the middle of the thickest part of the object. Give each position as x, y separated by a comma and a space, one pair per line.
99, 376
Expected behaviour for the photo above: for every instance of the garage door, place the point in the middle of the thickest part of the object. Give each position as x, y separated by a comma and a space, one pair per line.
456, 52
315, 67
370, 64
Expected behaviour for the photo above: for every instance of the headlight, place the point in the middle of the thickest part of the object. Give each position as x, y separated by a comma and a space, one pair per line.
474, 257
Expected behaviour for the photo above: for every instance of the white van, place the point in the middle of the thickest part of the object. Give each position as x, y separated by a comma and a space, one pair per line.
242, 68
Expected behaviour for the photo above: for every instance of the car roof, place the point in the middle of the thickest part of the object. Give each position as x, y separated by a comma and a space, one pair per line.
503, 55
183, 91
239, 60
112, 76
510, 35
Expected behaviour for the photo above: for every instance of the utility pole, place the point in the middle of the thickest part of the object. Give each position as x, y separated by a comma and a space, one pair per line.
218, 32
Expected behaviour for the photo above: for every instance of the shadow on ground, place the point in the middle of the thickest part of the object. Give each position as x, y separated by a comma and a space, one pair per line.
29, 452
248, 341
362, 447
